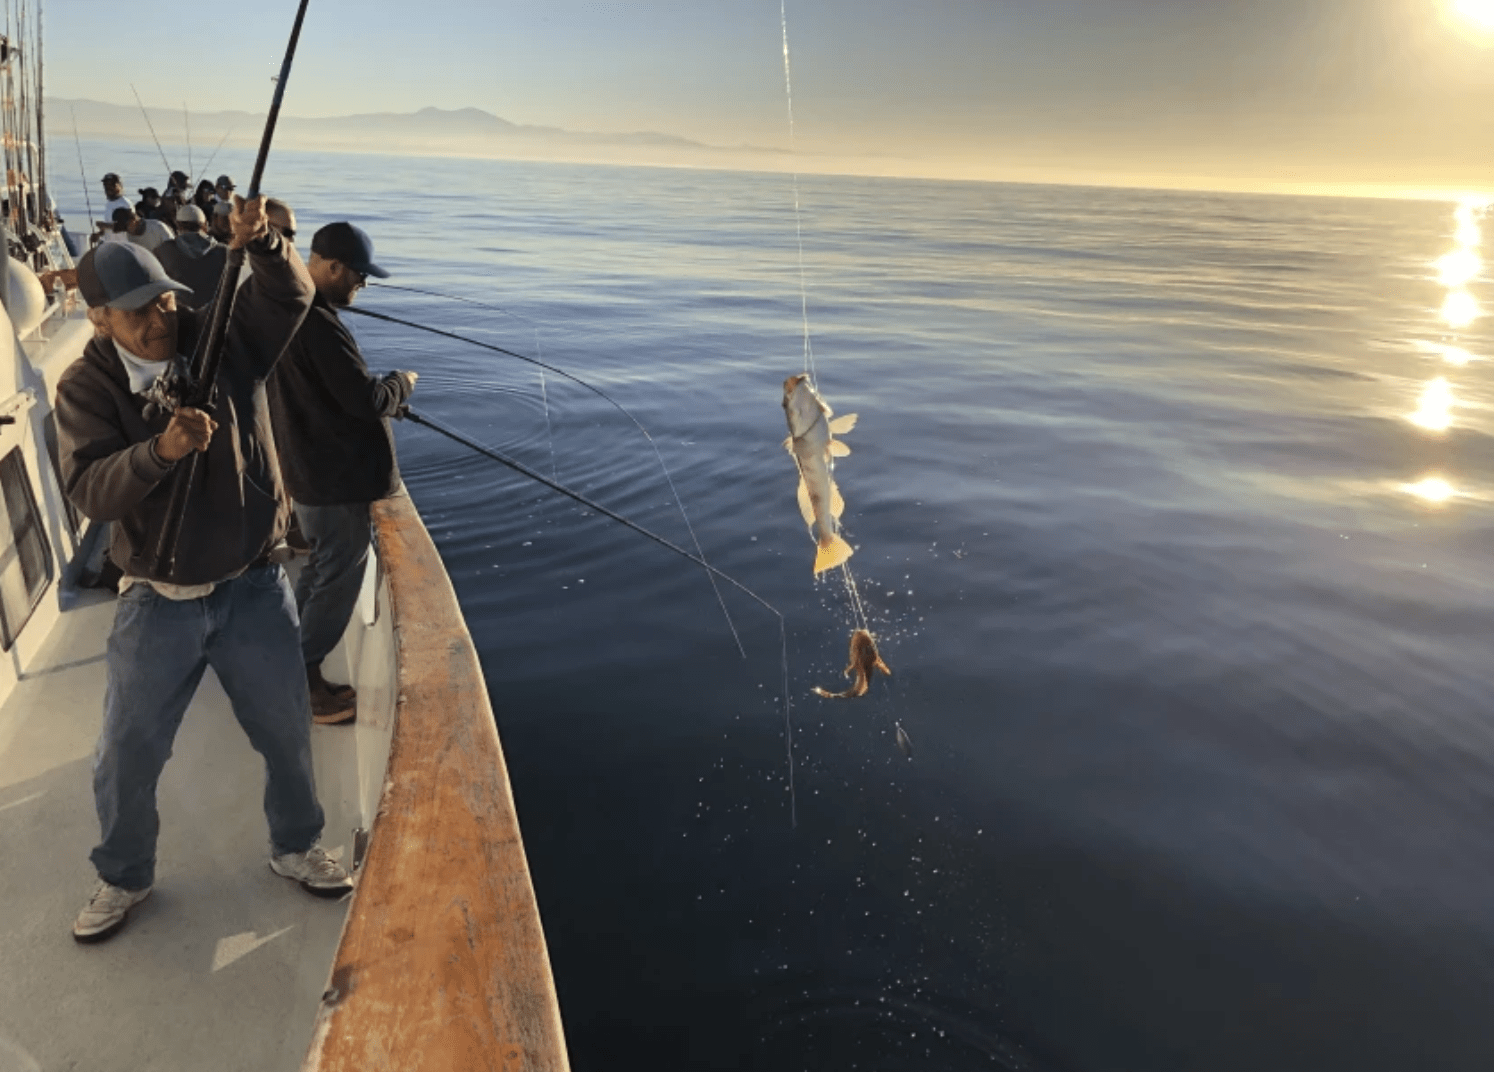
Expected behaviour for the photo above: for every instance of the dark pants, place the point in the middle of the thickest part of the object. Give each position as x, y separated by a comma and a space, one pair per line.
158, 651
328, 589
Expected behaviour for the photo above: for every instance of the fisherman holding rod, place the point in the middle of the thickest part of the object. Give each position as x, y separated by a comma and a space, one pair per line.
184, 464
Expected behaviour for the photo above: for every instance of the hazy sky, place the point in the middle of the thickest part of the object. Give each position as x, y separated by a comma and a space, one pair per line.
1250, 91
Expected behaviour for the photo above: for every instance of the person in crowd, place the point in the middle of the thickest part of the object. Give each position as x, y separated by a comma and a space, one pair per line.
181, 183
171, 201
225, 602
120, 226
114, 199
282, 217
331, 422
204, 198
218, 221
149, 205
194, 258
224, 188
147, 233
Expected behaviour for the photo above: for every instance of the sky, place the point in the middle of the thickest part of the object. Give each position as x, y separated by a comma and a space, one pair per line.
1346, 95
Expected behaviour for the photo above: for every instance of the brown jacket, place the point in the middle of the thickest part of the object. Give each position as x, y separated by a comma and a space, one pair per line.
237, 508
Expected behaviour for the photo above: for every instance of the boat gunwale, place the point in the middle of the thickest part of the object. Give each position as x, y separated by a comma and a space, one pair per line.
442, 962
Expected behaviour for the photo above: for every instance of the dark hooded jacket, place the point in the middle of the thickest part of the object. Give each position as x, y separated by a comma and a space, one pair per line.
196, 260
332, 416
237, 509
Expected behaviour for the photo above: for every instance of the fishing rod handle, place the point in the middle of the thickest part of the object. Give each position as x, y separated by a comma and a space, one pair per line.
163, 563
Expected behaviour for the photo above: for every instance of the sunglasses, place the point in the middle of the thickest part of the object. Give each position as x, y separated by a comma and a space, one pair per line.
289, 232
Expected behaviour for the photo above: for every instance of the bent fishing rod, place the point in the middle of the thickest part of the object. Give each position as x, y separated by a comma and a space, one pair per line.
668, 478
152, 129
202, 380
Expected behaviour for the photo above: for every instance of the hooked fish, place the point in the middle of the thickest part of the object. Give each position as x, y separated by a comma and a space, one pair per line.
864, 659
813, 444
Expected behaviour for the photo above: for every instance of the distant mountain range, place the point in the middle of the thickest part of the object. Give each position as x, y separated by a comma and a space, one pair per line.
429, 131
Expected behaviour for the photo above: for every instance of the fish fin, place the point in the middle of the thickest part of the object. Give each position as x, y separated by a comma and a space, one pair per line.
842, 425
880, 665
825, 693
832, 553
837, 504
838, 449
788, 444
805, 506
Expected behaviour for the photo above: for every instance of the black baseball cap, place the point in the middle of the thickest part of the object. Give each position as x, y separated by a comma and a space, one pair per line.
109, 175
224, 180
123, 275
351, 245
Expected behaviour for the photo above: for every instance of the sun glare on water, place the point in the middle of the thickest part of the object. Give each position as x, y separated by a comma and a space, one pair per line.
1433, 489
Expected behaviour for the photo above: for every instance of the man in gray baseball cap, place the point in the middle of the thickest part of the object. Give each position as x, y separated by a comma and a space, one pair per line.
225, 602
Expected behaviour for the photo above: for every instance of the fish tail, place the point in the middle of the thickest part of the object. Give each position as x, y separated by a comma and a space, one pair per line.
832, 552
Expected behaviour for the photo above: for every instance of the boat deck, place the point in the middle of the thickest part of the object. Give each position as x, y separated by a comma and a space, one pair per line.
223, 965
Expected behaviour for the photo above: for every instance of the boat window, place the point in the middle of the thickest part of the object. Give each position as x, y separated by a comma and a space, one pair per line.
25, 558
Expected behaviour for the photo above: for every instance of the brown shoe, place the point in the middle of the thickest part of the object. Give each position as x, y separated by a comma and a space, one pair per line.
330, 709
315, 681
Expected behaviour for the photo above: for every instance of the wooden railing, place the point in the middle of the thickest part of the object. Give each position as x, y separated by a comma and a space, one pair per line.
442, 965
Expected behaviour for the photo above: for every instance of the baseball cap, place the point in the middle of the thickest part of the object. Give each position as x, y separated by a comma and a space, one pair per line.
190, 214
109, 175
224, 180
123, 275
348, 244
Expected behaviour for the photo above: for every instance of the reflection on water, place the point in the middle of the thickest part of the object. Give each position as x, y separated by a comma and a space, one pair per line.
1435, 410
1456, 269
1433, 489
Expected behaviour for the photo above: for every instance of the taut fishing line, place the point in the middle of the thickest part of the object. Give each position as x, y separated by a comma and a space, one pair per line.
858, 611
539, 351
520, 467
668, 477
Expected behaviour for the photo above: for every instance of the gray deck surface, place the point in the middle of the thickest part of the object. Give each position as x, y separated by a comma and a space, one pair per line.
223, 965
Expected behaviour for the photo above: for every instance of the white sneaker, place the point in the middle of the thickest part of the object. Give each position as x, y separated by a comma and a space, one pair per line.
316, 871
106, 912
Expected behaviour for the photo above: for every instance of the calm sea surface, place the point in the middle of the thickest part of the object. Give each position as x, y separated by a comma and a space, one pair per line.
1190, 643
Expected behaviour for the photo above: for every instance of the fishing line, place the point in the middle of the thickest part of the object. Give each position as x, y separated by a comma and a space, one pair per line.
208, 166
187, 123
520, 467
82, 172
668, 477
538, 348
788, 89
152, 129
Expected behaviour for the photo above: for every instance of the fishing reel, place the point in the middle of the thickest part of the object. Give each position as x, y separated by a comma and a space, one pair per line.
169, 391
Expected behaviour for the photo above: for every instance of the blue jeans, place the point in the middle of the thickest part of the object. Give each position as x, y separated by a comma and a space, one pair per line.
158, 650
328, 588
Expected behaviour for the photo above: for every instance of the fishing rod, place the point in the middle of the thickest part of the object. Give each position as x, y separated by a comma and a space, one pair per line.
669, 479
524, 470
208, 166
202, 383
82, 172
152, 129
187, 123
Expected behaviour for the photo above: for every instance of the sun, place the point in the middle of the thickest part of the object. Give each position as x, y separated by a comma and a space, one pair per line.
1478, 12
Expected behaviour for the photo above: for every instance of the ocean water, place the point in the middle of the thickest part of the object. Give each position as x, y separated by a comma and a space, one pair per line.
1173, 520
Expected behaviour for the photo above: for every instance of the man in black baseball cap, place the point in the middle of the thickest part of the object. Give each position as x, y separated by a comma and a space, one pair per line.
114, 199
331, 421
226, 602
225, 188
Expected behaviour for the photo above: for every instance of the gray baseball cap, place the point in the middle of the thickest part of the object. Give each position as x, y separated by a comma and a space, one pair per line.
223, 208
190, 214
122, 275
